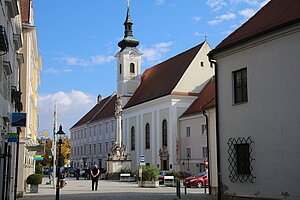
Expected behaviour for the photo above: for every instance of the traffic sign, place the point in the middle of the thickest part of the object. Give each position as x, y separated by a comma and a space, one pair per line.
142, 160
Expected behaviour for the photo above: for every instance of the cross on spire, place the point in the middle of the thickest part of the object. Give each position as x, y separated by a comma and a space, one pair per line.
128, 1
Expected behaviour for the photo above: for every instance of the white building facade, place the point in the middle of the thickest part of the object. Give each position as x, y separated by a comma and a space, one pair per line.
258, 105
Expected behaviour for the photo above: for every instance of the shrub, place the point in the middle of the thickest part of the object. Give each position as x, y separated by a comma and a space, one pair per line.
125, 171
150, 173
34, 179
39, 169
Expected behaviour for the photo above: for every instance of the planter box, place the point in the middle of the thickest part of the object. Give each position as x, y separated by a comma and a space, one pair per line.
34, 188
126, 178
149, 184
169, 181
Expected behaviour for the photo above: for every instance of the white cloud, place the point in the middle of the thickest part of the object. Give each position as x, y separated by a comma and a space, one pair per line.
92, 61
196, 19
155, 52
249, 2
70, 108
248, 12
222, 18
262, 4
159, 2
55, 71
216, 4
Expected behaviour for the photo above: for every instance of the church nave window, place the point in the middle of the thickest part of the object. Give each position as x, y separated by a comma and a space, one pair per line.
164, 133
147, 136
132, 138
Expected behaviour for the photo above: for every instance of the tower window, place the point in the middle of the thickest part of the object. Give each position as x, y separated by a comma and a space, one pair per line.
132, 68
120, 69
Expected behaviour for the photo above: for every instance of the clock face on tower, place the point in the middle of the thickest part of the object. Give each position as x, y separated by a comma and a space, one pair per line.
131, 55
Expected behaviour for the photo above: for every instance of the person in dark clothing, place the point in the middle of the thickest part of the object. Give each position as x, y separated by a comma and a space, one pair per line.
88, 173
95, 176
77, 173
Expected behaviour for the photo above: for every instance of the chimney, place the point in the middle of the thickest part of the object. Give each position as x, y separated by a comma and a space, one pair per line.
99, 98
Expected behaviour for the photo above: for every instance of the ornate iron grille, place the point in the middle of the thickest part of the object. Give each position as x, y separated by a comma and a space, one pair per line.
240, 159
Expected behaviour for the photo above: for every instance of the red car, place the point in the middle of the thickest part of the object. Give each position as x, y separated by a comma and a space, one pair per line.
197, 180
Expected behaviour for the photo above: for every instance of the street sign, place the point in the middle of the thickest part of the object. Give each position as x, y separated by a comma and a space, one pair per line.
12, 137
38, 158
18, 120
142, 160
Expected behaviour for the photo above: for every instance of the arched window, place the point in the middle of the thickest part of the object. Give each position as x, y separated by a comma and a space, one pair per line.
164, 133
132, 138
120, 68
147, 136
132, 68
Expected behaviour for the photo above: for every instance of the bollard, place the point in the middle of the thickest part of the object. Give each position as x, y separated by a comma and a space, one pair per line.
204, 185
178, 188
185, 187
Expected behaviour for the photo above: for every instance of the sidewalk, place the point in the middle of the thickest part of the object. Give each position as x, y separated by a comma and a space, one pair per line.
113, 190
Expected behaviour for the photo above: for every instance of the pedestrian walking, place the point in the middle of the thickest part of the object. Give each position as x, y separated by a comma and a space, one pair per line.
77, 173
95, 172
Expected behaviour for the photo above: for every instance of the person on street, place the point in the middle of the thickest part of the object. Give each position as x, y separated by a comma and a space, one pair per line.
95, 176
77, 173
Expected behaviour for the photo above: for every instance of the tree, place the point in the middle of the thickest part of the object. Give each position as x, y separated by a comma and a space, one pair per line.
66, 150
47, 156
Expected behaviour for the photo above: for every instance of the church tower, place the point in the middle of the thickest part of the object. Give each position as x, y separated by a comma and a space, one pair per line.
128, 62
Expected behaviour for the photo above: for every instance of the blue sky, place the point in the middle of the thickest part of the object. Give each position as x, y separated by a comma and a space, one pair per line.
78, 40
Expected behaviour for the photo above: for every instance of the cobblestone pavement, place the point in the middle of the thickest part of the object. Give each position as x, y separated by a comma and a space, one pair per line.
113, 190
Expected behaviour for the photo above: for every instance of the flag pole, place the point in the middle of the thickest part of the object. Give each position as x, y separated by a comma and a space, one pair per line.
54, 145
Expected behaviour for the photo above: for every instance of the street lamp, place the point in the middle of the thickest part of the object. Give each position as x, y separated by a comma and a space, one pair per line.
60, 134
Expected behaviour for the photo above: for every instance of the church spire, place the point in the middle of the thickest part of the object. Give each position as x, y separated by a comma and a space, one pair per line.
128, 40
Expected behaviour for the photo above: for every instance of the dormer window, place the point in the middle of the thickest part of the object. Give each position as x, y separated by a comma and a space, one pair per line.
132, 70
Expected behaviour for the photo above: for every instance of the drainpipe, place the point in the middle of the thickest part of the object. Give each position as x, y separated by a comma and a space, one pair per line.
207, 143
213, 62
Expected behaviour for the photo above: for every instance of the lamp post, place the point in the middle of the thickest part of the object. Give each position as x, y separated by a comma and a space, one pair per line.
60, 134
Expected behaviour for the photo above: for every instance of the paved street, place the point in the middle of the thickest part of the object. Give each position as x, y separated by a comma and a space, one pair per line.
112, 190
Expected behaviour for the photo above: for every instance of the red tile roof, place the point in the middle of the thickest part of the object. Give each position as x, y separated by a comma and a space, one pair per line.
274, 15
105, 108
25, 10
161, 79
205, 99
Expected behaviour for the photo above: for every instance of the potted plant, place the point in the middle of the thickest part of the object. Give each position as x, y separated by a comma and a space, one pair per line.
34, 180
149, 177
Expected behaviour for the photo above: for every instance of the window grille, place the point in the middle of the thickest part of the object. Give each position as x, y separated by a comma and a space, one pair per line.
240, 159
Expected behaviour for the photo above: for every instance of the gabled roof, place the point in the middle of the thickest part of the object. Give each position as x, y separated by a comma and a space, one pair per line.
25, 10
206, 99
275, 15
105, 108
161, 79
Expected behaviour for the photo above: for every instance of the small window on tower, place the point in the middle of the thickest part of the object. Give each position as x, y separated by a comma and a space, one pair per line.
132, 68
120, 68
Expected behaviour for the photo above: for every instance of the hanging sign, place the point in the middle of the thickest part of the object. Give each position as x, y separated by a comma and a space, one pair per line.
18, 120
38, 158
12, 137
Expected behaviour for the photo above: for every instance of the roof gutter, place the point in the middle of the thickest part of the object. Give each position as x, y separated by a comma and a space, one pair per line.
213, 62
231, 45
207, 144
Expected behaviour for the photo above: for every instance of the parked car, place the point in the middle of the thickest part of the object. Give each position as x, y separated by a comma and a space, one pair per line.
161, 176
71, 172
197, 180
184, 175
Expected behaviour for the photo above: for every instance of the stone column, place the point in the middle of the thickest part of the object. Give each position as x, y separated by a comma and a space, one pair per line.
118, 115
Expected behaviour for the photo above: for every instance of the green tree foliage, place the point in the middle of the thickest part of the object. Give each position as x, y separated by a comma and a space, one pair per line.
34, 179
39, 169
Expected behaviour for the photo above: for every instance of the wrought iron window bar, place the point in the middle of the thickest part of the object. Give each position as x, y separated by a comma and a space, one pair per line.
241, 172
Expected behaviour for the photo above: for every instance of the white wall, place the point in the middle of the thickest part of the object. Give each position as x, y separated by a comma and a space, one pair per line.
270, 117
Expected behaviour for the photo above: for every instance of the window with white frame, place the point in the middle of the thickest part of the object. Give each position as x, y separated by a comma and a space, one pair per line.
204, 152
203, 128
188, 131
